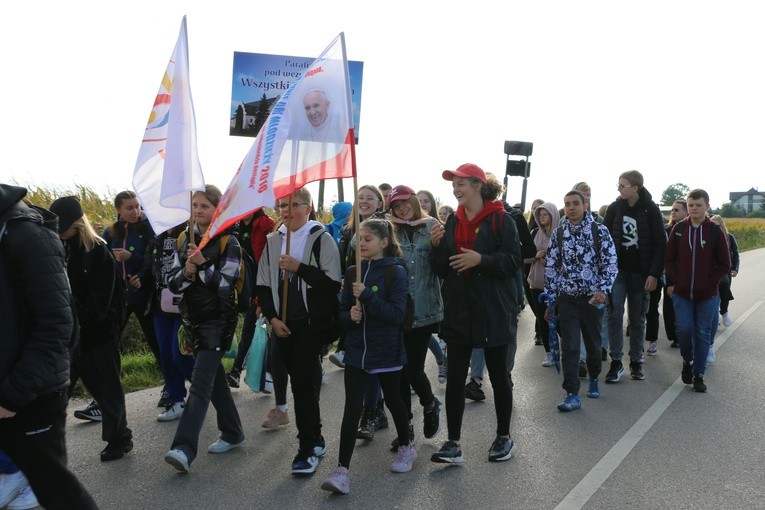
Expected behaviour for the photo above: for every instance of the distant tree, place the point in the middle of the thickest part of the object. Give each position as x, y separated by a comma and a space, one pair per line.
674, 192
729, 210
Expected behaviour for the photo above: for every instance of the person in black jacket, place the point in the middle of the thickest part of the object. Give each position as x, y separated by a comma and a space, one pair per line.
38, 331
477, 254
99, 297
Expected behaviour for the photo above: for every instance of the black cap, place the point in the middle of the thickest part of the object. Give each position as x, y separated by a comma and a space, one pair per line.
68, 210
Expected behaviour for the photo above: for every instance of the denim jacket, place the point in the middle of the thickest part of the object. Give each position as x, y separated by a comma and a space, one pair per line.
424, 285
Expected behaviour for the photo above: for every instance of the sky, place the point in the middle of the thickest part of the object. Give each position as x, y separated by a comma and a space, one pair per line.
674, 89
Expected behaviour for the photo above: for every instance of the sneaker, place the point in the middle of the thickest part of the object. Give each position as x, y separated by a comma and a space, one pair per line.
90, 413
538, 340
338, 481
687, 373
431, 421
711, 356
572, 402
178, 460
594, 390
548, 361
116, 450
381, 419
366, 430
615, 372
698, 384
404, 459
394, 444
501, 449
320, 448
26, 500
674, 344
268, 385
232, 377
275, 419
304, 464
582, 369
653, 349
164, 399
450, 453
11, 486
172, 412
338, 358
473, 391
442, 344
636, 371
727, 320
442, 373
642, 357
221, 446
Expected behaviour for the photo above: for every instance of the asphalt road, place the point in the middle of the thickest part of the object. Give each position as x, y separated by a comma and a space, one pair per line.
643, 444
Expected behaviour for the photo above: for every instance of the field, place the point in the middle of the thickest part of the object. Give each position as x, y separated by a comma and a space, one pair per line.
749, 232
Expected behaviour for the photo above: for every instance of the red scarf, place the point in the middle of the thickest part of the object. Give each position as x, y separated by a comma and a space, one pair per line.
466, 231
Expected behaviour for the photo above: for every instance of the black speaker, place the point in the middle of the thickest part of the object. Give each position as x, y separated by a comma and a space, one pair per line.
518, 168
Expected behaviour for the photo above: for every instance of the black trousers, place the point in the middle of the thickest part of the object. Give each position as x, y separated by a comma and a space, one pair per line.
668, 311
35, 440
416, 347
99, 367
355, 386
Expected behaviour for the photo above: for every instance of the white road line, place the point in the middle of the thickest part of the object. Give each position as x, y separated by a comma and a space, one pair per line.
592, 481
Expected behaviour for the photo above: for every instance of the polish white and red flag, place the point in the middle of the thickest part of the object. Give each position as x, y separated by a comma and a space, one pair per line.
308, 136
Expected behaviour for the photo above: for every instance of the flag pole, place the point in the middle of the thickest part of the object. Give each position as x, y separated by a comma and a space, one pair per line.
191, 238
285, 285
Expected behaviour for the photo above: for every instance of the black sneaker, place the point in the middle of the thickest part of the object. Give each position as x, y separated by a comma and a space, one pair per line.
501, 449
698, 384
394, 444
473, 391
164, 400
636, 371
366, 429
116, 450
90, 413
687, 373
381, 419
304, 464
232, 377
582, 369
615, 372
450, 453
431, 420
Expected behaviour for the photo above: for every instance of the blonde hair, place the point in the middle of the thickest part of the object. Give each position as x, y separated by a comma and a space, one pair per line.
86, 234
720, 221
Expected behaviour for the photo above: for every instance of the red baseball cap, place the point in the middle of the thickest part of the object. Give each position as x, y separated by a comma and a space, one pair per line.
465, 170
400, 192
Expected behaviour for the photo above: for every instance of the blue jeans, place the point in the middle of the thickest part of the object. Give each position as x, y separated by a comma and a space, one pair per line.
693, 325
629, 287
715, 324
176, 368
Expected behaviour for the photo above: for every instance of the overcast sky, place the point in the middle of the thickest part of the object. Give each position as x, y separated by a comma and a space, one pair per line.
672, 89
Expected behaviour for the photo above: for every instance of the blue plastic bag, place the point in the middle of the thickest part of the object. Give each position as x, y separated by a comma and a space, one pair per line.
253, 363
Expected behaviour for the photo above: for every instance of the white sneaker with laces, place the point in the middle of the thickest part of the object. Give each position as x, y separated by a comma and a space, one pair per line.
172, 412
711, 357
26, 500
11, 486
548, 361
221, 446
178, 460
727, 320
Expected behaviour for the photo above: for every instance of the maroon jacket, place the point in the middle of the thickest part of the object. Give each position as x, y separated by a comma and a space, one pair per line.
692, 265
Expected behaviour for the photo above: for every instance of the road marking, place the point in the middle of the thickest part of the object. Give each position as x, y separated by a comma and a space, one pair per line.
592, 481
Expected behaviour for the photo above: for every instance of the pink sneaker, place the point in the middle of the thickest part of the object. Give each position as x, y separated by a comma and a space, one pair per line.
337, 481
404, 459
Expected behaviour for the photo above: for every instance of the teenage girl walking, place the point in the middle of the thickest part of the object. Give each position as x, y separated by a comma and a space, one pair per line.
374, 343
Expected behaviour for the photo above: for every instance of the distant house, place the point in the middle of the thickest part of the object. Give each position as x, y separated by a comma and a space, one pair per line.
748, 201
249, 117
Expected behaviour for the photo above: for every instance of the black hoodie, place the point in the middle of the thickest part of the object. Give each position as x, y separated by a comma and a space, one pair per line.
35, 311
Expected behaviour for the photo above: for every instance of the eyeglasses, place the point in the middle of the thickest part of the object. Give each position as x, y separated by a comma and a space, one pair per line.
295, 205
622, 186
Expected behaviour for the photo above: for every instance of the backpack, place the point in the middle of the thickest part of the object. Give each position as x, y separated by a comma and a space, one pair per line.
409, 315
245, 284
334, 303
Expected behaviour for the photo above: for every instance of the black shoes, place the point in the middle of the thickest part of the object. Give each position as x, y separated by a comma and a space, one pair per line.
394, 444
687, 373
473, 391
636, 371
615, 372
450, 453
698, 384
431, 419
116, 450
232, 377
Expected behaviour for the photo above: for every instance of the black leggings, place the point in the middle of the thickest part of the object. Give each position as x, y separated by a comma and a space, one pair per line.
147, 327
355, 385
416, 346
539, 312
457, 370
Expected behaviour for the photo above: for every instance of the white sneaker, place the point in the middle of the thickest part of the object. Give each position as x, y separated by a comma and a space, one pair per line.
337, 358
172, 412
268, 386
11, 486
221, 446
404, 459
548, 361
26, 500
711, 356
178, 460
727, 321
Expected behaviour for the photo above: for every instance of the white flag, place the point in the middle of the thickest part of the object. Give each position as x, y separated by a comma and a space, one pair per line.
168, 167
